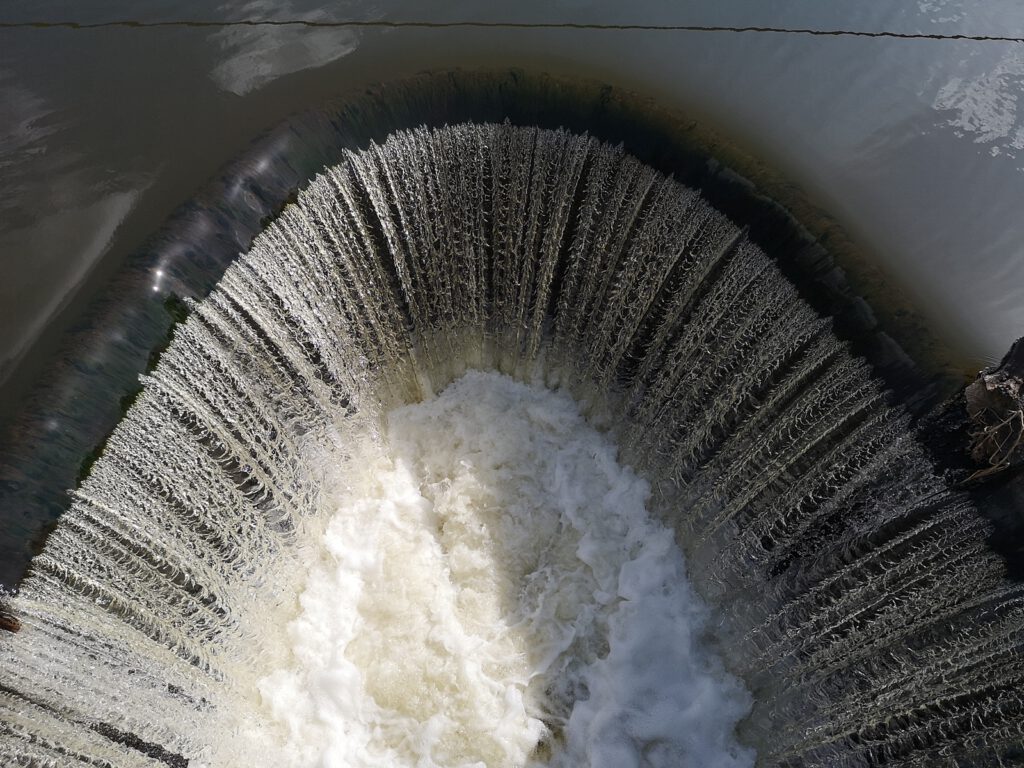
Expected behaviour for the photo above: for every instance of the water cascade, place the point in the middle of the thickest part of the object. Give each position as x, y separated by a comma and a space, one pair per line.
850, 589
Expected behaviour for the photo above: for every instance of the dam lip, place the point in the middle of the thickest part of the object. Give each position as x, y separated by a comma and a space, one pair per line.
689, 145
694, 151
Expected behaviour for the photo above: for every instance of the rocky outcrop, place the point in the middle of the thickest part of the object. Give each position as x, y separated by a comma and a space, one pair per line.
995, 407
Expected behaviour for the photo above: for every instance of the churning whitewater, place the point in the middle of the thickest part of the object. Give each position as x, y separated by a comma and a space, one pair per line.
492, 592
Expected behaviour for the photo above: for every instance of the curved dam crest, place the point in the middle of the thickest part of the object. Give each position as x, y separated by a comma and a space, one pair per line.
852, 591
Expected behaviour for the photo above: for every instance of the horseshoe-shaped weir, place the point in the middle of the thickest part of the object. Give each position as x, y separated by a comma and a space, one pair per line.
850, 590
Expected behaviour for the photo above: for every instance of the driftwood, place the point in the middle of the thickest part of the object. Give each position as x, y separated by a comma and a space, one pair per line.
995, 407
8, 623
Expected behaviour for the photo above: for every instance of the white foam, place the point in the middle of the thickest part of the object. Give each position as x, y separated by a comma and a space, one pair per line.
491, 580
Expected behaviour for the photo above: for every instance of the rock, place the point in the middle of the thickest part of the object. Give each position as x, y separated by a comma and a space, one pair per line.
995, 407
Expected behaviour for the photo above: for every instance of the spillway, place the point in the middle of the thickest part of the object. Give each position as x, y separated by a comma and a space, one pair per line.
850, 589
494, 592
